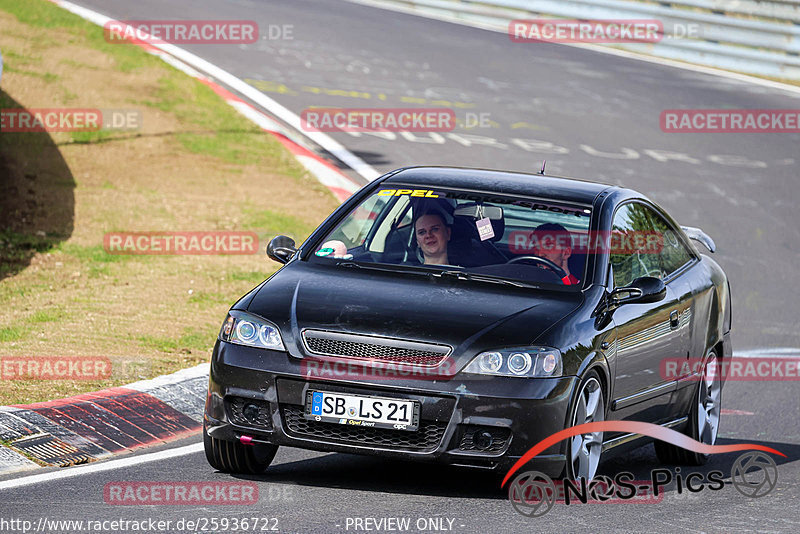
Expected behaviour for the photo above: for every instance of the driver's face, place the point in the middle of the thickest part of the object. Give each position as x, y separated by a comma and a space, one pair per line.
432, 235
552, 246
554, 254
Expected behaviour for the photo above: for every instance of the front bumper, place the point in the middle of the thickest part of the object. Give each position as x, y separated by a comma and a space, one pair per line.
516, 412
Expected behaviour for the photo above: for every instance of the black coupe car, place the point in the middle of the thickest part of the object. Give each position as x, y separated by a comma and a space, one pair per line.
462, 315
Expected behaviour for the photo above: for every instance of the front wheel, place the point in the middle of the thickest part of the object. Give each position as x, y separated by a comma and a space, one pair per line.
234, 457
583, 450
703, 417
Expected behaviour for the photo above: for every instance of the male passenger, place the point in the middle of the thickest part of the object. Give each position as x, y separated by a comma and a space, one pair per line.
432, 235
551, 243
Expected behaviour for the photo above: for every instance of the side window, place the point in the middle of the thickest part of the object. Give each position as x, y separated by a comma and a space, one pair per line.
398, 217
631, 257
353, 230
644, 245
674, 254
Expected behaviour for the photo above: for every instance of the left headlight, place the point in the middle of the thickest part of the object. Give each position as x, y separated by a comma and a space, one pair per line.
246, 329
525, 362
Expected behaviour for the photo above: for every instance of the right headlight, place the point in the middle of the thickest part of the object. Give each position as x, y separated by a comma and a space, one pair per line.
524, 362
246, 329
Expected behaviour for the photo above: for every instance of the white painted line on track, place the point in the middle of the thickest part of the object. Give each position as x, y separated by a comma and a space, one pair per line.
774, 352
99, 467
325, 141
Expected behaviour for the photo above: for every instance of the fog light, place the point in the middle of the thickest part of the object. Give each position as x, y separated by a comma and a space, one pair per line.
483, 440
250, 412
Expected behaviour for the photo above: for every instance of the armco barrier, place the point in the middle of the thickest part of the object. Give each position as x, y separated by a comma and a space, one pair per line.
752, 36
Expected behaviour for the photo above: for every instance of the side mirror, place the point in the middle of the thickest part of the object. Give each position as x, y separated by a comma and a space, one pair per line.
281, 249
643, 290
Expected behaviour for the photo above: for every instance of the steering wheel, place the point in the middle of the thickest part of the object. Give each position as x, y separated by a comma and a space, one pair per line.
541, 261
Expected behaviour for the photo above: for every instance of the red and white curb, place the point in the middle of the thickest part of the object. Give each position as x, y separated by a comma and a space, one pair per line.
92, 426
339, 183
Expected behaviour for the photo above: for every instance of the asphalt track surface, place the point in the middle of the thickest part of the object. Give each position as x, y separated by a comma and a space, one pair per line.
591, 115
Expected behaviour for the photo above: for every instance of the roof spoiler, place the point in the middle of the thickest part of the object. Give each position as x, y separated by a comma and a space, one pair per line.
698, 235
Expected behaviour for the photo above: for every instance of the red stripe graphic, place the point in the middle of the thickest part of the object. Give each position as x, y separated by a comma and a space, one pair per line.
634, 427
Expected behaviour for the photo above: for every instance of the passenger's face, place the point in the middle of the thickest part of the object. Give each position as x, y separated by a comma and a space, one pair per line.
432, 235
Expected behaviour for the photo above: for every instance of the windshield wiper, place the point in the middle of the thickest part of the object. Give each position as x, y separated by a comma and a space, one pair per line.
386, 268
458, 275
462, 275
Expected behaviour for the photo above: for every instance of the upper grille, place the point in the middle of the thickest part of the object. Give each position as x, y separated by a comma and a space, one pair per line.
374, 348
426, 437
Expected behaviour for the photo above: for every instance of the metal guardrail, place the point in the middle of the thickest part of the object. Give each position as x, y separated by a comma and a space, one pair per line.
752, 36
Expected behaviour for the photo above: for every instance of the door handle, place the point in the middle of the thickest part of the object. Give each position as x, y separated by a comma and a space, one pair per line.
674, 319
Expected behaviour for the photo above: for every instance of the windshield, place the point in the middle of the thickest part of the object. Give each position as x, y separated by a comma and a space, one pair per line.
483, 235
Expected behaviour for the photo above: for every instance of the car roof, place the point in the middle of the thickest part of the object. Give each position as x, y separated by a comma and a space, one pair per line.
506, 182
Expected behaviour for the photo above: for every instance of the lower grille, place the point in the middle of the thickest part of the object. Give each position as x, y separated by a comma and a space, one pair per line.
257, 414
426, 437
499, 438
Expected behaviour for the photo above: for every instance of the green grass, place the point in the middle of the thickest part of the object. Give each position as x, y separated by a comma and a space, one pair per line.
48, 77
11, 333
43, 14
20, 59
274, 223
207, 297
84, 138
47, 316
190, 340
93, 254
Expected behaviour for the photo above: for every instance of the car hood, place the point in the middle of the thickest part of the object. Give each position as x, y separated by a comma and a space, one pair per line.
468, 316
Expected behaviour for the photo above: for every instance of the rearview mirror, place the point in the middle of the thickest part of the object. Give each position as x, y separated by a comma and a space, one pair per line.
475, 211
281, 249
643, 290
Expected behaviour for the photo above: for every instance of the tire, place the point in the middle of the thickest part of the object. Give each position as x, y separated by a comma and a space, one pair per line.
589, 406
233, 457
704, 412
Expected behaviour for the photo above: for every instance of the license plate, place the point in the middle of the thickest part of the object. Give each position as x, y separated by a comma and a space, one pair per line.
358, 410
